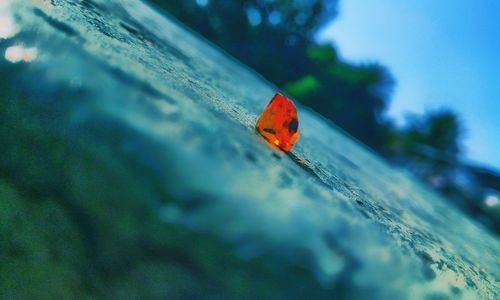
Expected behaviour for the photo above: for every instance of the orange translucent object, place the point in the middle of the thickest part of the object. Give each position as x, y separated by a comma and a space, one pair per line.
279, 123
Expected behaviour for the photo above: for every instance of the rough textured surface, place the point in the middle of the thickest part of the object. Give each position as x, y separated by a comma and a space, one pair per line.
131, 168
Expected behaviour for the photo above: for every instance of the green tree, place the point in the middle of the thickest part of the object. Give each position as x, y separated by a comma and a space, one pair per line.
269, 36
439, 130
430, 141
277, 39
353, 96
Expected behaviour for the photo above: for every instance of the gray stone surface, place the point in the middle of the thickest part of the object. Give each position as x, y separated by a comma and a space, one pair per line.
131, 169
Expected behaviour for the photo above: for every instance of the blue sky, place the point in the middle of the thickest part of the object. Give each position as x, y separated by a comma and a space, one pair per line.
442, 53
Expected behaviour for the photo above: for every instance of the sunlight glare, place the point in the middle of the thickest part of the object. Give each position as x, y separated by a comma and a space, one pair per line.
17, 54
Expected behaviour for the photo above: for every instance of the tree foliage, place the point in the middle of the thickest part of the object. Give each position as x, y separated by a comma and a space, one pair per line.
276, 38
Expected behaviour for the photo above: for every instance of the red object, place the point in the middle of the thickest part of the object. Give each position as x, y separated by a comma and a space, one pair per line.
279, 123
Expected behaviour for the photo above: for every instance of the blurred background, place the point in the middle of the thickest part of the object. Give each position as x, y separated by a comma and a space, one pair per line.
416, 81
130, 168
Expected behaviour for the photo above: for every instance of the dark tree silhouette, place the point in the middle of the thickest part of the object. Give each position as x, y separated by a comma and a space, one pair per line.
277, 39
